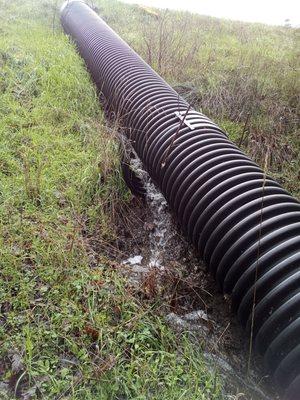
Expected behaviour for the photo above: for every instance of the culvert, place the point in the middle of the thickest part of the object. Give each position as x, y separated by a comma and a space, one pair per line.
242, 222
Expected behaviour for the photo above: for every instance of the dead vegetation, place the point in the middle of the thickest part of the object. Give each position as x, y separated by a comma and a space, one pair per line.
244, 76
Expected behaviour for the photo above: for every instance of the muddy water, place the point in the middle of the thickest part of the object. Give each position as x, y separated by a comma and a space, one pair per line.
159, 225
158, 261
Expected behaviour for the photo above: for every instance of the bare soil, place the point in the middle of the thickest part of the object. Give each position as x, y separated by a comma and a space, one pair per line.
189, 297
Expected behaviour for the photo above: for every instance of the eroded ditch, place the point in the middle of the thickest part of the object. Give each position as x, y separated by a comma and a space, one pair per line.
157, 261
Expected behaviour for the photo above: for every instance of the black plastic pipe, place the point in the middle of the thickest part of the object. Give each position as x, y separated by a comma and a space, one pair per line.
243, 223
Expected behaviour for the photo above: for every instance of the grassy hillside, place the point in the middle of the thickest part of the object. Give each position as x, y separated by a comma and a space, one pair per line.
69, 326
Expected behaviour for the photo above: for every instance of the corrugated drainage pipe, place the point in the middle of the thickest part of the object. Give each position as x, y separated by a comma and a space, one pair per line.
243, 223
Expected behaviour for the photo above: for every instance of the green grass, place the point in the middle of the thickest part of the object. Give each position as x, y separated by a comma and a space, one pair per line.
69, 326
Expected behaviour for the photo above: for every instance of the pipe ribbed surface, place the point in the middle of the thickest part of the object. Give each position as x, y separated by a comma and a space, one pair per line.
242, 222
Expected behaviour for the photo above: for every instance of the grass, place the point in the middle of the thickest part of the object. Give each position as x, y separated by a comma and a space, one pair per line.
70, 328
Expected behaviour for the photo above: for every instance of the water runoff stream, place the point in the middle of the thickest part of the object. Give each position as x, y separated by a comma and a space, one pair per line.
158, 248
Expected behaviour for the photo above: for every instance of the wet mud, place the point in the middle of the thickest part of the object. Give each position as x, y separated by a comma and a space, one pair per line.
157, 261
